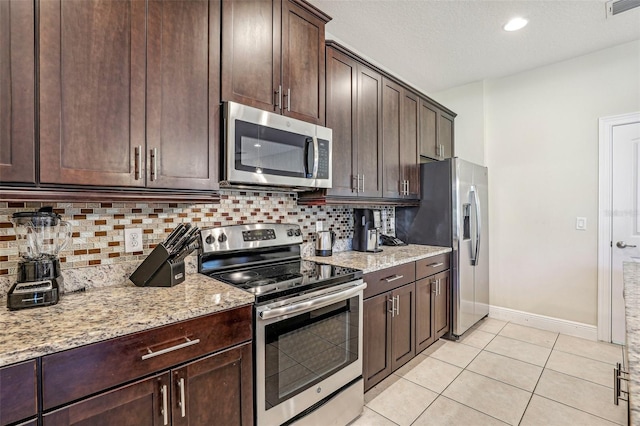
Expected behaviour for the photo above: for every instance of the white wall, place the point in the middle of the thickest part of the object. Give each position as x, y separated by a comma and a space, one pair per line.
468, 102
541, 145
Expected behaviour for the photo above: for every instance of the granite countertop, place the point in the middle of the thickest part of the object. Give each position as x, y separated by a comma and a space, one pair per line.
631, 272
103, 313
388, 257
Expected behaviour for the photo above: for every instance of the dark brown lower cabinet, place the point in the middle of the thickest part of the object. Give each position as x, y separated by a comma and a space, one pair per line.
389, 333
18, 389
213, 390
425, 334
441, 303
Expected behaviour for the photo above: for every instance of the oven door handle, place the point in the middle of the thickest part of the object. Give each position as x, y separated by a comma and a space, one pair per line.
313, 303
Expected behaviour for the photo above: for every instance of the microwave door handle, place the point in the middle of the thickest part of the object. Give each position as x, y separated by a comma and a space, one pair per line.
316, 157
308, 168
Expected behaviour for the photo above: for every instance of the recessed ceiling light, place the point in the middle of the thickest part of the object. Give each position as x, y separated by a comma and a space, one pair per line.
515, 24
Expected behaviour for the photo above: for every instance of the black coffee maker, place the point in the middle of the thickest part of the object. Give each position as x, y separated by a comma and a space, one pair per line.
40, 235
366, 230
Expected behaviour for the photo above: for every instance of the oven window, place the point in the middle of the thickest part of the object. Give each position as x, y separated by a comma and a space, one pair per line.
303, 350
270, 151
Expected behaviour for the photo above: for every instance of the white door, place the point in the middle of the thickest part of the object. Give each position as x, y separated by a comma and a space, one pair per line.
625, 225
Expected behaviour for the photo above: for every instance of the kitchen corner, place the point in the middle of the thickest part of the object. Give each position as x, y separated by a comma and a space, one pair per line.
631, 272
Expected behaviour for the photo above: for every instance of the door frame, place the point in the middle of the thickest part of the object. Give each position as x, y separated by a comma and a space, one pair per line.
605, 223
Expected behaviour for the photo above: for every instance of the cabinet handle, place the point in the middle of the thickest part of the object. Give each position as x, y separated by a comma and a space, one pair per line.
152, 354
363, 182
435, 265
357, 179
434, 287
439, 292
289, 99
393, 306
154, 163
407, 188
182, 402
278, 100
165, 408
618, 375
136, 162
397, 305
393, 278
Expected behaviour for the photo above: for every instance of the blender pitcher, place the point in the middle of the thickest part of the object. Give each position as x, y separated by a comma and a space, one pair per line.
41, 234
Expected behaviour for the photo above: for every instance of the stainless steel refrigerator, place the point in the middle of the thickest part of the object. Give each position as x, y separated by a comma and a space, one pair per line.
453, 213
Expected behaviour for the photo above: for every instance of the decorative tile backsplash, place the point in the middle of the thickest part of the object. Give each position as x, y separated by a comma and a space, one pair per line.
98, 228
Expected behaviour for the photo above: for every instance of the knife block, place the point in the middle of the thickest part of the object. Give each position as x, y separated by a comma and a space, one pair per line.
157, 270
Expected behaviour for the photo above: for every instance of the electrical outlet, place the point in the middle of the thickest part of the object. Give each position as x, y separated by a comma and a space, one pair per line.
581, 223
132, 240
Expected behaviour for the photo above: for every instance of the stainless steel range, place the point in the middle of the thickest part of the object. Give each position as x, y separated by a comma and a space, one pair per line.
307, 323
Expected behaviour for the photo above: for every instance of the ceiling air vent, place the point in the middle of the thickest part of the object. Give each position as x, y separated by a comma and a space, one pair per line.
618, 6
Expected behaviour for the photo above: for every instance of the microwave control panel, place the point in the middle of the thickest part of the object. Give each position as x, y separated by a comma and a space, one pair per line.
323, 159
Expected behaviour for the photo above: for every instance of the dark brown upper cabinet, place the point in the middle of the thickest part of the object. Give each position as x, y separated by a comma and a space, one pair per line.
354, 112
129, 93
400, 141
273, 56
17, 86
436, 132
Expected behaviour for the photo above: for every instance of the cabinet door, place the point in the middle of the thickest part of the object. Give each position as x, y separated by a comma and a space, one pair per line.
369, 132
18, 389
342, 80
251, 52
391, 128
183, 102
92, 91
216, 390
403, 346
376, 339
428, 129
445, 134
144, 403
303, 52
425, 294
17, 86
409, 163
441, 304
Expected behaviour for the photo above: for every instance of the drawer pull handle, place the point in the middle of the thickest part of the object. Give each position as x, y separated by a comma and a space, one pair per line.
393, 278
435, 265
188, 342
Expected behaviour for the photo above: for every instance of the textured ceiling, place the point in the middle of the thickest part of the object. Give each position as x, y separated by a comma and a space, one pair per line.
436, 45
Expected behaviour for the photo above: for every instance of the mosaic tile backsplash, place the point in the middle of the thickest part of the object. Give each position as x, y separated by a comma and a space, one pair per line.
98, 228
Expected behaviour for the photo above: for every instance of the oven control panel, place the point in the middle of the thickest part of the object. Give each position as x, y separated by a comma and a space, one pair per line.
240, 237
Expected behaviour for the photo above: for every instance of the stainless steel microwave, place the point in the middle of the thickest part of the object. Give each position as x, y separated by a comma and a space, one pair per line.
269, 150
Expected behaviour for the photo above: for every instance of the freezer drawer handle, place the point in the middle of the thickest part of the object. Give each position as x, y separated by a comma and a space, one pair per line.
435, 265
188, 342
393, 278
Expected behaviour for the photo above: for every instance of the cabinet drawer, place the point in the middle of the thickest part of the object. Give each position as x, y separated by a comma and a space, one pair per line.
76, 373
389, 278
432, 265
18, 392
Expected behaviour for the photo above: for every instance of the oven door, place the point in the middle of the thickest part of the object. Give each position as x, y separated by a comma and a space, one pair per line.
264, 148
307, 348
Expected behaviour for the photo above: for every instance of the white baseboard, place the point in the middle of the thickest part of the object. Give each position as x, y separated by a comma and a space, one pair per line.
571, 328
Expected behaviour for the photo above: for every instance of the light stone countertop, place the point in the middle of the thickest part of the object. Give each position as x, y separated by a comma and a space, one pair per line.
388, 257
631, 271
103, 313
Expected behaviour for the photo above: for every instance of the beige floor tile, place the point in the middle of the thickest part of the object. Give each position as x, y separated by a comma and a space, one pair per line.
600, 351
490, 325
476, 338
543, 411
433, 374
380, 387
508, 370
581, 367
529, 335
497, 399
371, 418
446, 412
456, 354
437, 345
402, 402
523, 351
581, 394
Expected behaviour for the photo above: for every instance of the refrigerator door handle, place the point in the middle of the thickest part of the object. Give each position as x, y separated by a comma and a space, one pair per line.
476, 254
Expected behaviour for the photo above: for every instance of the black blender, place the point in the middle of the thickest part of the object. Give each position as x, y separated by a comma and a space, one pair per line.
41, 235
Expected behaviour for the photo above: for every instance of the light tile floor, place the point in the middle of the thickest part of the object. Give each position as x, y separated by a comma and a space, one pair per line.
501, 373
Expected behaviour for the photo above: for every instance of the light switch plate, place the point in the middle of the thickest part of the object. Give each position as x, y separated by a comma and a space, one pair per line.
132, 240
581, 223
